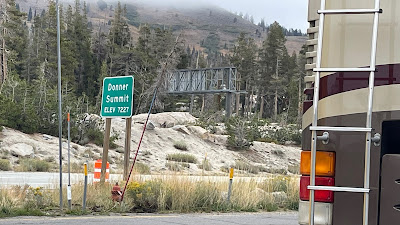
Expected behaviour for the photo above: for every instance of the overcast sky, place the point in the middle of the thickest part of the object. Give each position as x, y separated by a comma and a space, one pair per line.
289, 13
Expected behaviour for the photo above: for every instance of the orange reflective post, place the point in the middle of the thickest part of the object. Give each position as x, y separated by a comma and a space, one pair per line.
230, 184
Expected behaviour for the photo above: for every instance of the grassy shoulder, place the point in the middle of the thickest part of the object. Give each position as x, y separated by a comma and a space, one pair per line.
170, 194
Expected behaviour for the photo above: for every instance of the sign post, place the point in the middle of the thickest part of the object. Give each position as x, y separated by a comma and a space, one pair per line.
69, 197
230, 184
117, 102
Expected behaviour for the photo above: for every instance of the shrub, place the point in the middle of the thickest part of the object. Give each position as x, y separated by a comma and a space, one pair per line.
50, 159
5, 165
180, 145
34, 165
295, 169
173, 166
209, 121
276, 171
179, 157
95, 136
205, 165
242, 133
240, 165
282, 134
142, 168
144, 196
277, 152
236, 129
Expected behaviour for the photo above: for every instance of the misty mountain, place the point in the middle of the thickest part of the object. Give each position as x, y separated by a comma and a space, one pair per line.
202, 24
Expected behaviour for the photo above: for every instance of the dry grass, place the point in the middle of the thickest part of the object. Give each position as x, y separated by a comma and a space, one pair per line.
181, 145
180, 157
169, 194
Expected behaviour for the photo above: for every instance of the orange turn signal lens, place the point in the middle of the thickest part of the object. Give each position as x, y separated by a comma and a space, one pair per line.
324, 164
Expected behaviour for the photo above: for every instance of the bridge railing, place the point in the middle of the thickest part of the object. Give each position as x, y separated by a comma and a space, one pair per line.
213, 80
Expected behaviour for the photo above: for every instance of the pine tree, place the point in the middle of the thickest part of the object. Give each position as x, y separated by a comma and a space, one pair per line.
273, 67
244, 59
16, 39
30, 14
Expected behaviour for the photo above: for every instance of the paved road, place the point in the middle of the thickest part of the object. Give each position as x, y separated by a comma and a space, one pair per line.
284, 218
50, 180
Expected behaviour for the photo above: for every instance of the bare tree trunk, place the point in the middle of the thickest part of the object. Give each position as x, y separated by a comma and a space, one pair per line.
4, 60
237, 104
247, 99
25, 95
276, 105
260, 115
300, 102
251, 100
203, 102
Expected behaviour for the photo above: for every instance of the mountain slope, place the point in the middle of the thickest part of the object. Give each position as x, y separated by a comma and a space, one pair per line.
195, 21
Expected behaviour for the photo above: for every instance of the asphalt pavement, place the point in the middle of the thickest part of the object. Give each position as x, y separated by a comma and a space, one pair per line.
275, 218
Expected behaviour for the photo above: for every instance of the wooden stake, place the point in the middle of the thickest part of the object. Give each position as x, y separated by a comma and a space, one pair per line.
106, 145
127, 152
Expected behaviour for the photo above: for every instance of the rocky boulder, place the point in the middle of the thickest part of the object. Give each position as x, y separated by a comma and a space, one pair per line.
21, 150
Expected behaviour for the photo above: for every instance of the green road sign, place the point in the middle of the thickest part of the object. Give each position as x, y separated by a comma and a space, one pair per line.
117, 100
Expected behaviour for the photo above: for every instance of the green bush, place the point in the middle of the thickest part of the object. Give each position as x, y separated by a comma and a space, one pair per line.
5, 165
180, 145
14, 116
34, 165
95, 136
209, 121
144, 196
179, 157
241, 136
283, 134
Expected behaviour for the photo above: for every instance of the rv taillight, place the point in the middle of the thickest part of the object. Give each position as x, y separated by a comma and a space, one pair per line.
320, 196
324, 165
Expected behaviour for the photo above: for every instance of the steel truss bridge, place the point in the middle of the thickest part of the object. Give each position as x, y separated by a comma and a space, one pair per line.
205, 81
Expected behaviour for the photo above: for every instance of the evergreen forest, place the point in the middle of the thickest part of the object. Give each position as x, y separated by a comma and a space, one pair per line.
271, 76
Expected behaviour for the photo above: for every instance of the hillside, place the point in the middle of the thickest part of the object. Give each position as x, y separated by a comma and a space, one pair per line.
19, 149
197, 22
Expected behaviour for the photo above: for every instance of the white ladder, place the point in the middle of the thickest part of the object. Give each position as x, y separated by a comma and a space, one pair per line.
368, 129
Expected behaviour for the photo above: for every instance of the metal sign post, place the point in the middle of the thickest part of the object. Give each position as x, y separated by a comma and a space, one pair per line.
69, 197
230, 184
85, 188
59, 100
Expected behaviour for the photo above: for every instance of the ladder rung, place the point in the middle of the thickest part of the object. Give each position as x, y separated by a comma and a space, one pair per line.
349, 129
349, 11
344, 69
339, 189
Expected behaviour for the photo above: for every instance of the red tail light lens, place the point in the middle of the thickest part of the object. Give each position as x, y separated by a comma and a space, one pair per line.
320, 196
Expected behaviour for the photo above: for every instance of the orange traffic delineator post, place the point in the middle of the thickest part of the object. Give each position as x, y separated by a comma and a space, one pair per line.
97, 171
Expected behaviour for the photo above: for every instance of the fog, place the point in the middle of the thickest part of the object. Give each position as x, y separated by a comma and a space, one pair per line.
289, 13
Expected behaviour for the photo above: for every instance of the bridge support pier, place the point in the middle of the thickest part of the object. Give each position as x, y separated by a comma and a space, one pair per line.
228, 104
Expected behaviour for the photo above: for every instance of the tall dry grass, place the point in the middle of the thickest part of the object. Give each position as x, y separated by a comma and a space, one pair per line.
167, 194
